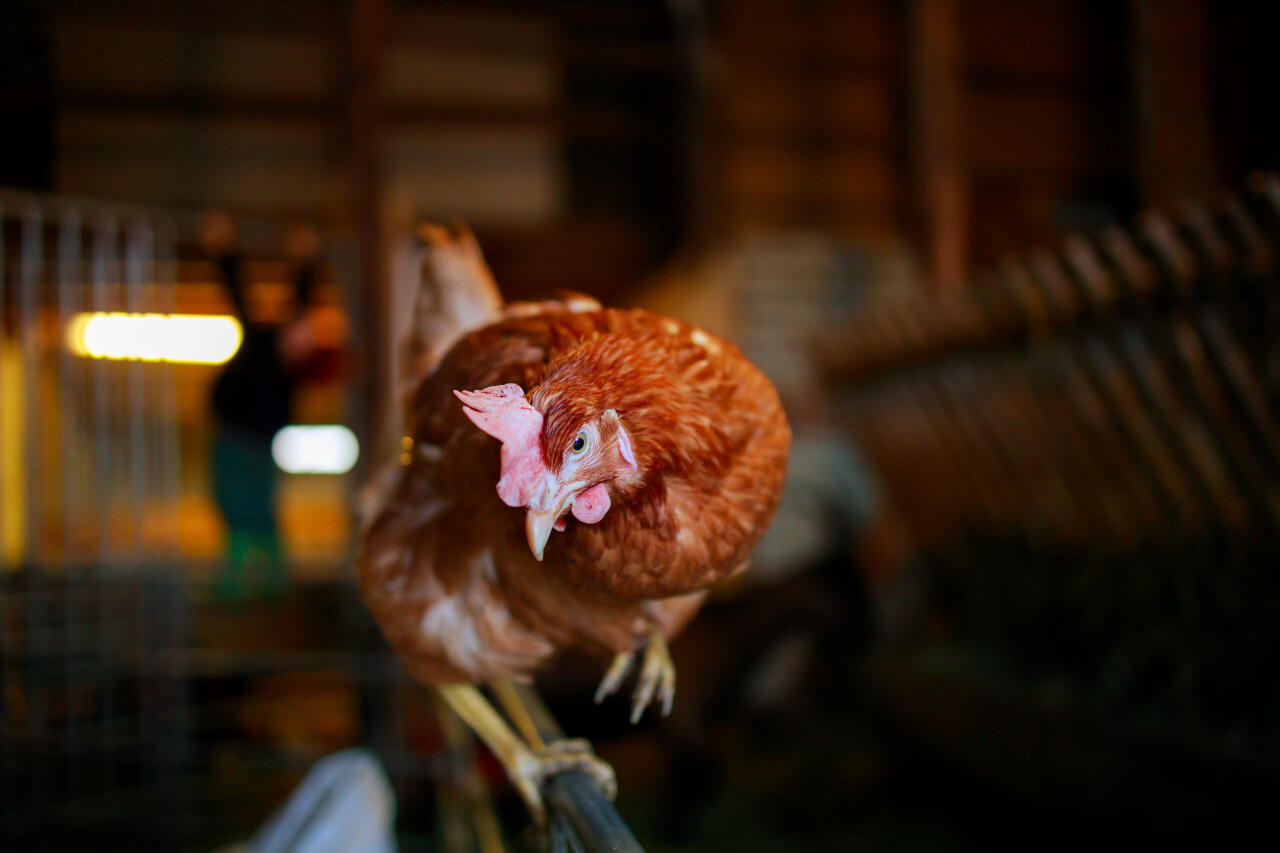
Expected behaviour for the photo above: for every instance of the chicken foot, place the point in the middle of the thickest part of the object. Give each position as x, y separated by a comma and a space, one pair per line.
657, 676
528, 768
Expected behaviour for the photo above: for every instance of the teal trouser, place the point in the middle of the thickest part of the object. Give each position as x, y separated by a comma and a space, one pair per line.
244, 487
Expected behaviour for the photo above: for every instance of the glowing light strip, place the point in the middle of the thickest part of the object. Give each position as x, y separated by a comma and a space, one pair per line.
328, 449
177, 338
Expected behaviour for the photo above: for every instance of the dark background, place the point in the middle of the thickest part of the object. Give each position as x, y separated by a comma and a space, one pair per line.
887, 679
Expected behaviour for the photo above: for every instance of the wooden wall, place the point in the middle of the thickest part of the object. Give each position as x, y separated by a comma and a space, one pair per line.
564, 130
815, 111
239, 104
1047, 120
552, 128
808, 117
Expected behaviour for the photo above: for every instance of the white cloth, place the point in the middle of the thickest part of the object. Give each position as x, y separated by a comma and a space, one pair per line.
344, 805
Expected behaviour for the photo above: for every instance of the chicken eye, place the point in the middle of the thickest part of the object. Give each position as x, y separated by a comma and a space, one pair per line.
579, 443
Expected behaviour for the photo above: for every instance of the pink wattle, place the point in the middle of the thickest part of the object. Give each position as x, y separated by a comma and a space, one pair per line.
591, 504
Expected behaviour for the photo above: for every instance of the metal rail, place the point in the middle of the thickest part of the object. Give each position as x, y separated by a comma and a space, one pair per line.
1113, 391
1085, 444
581, 819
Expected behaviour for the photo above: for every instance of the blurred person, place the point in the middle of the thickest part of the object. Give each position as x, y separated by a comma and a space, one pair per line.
252, 401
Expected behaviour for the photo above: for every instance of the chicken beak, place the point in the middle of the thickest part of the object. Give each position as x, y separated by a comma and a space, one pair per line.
537, 528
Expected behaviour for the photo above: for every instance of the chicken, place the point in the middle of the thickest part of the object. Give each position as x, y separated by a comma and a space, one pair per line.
575, 476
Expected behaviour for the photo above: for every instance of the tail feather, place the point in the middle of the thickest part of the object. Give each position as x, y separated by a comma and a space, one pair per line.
457, 294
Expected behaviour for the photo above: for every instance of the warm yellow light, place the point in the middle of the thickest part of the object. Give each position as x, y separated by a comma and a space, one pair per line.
179, 338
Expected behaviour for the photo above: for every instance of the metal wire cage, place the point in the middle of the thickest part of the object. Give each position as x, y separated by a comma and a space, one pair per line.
97, 725
104, 654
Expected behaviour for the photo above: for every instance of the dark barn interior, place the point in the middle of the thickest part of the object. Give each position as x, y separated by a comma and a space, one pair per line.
1013, 268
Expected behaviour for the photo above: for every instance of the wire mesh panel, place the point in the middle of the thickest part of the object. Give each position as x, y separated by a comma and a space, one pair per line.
93, 715
103, 654
97, 729
1085, 443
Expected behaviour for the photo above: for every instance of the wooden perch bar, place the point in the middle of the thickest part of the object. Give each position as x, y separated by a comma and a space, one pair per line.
582, 820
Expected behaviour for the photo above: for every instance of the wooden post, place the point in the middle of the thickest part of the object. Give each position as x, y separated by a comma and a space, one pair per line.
703, 191
935, 91
1172, 129
27, 87
366, 50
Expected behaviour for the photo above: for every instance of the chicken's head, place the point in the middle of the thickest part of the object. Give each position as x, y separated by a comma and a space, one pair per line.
540, 475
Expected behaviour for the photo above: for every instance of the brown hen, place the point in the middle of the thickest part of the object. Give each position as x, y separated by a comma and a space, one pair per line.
638, 460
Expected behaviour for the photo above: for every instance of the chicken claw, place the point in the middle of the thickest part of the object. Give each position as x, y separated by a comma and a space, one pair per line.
657, 676
613, 676
530, 770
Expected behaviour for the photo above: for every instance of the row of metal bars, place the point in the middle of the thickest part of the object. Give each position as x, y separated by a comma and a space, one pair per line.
99, 439
92, 718
1110, 393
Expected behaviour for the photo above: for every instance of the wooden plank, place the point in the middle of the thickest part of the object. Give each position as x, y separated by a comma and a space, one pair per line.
122, 59
598, 124
423, 74
139, 66
295, 17
864, 223
850, 107
1244, 68
1051, 42
1012, 219
765, 33
868, 31
1172, 130
485, 176
365, 132
601, 257
863, 107
1045, 134
486, 173
522, 31
764, 171
935, 92
864, 176
786, 173
265, 166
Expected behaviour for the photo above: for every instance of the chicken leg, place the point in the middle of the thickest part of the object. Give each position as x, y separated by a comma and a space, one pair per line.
466, 810
526, 767
658, 675
509, 697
